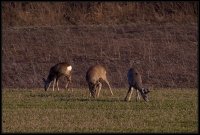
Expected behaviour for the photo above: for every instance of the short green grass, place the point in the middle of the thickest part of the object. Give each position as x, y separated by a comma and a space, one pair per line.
37, 111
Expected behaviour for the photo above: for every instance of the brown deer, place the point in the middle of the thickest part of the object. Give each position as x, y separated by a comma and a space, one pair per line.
58, 70
94, 77
135, 81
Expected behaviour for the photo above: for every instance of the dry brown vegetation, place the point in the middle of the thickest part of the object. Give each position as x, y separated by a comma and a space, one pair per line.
165, 55
158, 37
79, 13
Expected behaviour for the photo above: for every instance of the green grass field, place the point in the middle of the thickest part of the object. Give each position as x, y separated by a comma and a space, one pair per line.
37, 111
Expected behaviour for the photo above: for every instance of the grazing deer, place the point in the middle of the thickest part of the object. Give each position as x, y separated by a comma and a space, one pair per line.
58, 70
94, 76
135, 81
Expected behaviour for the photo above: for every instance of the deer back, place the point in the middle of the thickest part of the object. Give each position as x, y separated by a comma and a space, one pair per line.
134, 78
60, 69
95, 73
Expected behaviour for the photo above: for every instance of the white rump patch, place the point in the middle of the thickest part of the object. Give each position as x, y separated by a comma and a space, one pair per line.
69, 68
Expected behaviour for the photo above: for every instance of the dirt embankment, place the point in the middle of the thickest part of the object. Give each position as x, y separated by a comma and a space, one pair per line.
166, 55
18, 14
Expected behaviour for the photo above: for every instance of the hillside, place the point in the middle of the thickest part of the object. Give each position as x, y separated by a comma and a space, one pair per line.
165, 54
160, 38
95, 13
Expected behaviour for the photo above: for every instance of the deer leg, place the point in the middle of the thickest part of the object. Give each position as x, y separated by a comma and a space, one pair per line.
131, 91
68, 82
92, 89
109, 86
89, 89
127, 98
54, 81
57, 84
66, 87
96, 89
99, 88
90, 92
48, 86
138, 95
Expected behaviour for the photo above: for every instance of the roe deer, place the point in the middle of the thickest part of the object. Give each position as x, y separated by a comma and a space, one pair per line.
58, 70
94, 76
135, 81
